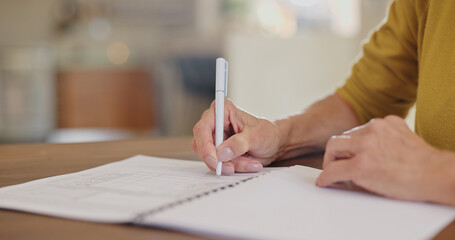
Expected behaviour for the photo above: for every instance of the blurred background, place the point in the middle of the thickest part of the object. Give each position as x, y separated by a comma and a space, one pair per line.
94, 70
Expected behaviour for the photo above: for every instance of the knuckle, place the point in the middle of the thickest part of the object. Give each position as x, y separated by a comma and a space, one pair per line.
371, 121
227, 101
197, 128
230, 106
391, 118
377, 125
330, 143
206, 113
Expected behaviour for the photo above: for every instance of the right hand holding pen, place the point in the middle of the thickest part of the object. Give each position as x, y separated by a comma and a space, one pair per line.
250, 142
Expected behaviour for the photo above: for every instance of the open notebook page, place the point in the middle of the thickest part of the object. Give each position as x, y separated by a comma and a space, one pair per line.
286, 204
116, 192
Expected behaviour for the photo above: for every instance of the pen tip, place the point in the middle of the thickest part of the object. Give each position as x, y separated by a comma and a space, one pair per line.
218, 168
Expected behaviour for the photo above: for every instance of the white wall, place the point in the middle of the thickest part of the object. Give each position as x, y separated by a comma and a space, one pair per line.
273, 77
26, 21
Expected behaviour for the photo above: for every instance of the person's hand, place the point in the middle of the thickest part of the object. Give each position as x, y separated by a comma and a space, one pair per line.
384, 156
250, 142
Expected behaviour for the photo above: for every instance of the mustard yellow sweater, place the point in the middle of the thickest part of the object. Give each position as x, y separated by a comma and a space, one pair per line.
411, 58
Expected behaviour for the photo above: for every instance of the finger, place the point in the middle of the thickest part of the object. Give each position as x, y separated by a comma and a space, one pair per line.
338, 147
359, 130
209, 162
193, 145
228, 168
362, 129
203, 138
395, 119
232, 121
246, 165
229, 110
338, 171
208, 159
233, 147
398, 121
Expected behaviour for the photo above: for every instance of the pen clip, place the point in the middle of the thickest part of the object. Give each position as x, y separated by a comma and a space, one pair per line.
225, 78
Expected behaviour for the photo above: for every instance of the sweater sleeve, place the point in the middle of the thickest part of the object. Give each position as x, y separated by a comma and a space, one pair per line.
384, 80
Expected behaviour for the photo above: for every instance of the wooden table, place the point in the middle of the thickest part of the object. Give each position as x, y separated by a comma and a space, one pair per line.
22, 163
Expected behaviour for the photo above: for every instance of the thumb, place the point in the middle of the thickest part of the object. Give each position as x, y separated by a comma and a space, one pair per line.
233, 147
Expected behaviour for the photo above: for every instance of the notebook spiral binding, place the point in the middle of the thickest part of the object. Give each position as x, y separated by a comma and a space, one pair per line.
140, 217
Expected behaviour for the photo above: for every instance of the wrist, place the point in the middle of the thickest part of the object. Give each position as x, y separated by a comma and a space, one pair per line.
296, 137
441, 177
284, 128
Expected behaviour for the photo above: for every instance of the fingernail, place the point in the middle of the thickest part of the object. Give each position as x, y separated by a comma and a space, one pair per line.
227, 170
254, 167
211, 161
225, 154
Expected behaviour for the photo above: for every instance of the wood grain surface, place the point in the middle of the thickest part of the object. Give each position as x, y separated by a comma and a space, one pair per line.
20, 163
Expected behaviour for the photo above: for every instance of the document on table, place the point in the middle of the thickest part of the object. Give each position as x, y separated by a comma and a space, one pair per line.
286, 204
186, 196
117, 192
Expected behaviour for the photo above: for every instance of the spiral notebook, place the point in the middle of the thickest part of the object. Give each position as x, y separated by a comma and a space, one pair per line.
185, 196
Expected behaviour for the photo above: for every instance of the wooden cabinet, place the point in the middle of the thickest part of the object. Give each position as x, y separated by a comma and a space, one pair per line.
121, 99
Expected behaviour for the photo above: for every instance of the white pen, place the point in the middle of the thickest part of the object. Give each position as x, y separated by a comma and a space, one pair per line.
220, 94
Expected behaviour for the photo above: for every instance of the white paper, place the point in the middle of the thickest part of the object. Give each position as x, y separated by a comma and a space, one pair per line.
287, 205
116, 192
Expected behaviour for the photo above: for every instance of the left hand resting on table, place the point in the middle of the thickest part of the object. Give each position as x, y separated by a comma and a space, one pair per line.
384, 156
